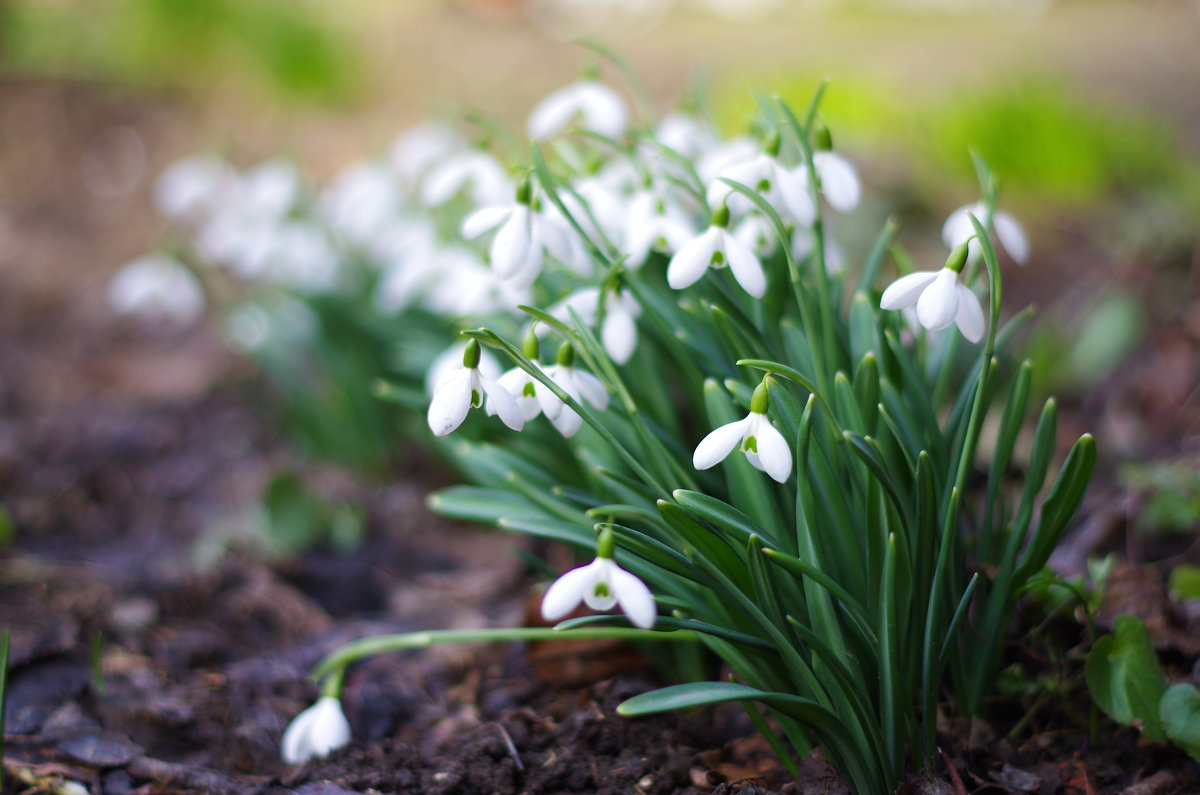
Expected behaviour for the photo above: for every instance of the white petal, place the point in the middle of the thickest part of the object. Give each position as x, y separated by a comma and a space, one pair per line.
906, 290
515, 382
591, 389
603, 109
551, 405
554, 113
511, 248
568, 591
450, 404
481, 221
939, 302
691, 261
619, 333
315, 732
1012, 237
605, 569
774, 455
634, 597
969, 316
838, 180
446, 180
792, 187
745, 266
718, 444
500, 401
567, 422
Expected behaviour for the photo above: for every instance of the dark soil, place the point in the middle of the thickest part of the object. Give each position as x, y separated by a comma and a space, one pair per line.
154, 651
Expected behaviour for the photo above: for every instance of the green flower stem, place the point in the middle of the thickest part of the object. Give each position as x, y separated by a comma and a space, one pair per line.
335, 663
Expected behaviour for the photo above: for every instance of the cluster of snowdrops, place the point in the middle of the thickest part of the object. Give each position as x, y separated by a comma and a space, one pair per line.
763, 462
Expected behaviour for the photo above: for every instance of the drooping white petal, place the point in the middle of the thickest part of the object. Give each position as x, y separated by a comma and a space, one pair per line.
484, 219
567, 422
839, 182
774, 455
938, 303
906, 290
792, 187
958, 225
512, 247
316, 731
568, 591
603, 109
450, 403
500, 401
619, 333
549, 402
596, 106
719, 443
691, 261
745, 266
591, 389
1012, 237
634, 597
519, 383
969, 316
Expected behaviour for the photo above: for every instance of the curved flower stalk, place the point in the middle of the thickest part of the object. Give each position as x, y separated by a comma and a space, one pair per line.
717, 248
601, 585
958, 229
939, 297
315, 732
464, 389
762, 444
588, 104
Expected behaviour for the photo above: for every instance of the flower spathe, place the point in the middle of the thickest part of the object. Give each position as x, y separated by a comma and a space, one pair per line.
601, 585
465, 388
941, 299
762, 444
315, 732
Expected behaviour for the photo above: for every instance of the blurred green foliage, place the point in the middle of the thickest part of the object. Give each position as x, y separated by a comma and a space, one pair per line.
286, 47
1170, 491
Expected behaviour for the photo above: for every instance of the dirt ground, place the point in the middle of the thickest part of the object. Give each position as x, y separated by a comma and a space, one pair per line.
134, 668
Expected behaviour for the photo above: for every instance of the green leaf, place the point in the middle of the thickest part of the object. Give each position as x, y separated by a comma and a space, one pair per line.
1179, 712
476, 504
1125, 679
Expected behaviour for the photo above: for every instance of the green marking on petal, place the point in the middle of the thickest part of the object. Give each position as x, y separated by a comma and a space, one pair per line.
528, 390
718, 259
750, 445
476, 399
763, 186
601, 590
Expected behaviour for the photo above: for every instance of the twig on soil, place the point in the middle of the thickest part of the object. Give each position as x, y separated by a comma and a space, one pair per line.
512, 748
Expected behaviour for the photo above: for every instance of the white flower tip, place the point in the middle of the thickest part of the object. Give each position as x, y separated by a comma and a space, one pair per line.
317, 731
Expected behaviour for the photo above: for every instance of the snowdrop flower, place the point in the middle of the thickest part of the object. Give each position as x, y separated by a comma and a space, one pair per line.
763, 445
597, 208
414, 152
687, 135
618, 333
588, 103
269, 190
520, 384
479, 173
193, 187
651, 224
958, 229
717, 248
315, 732
157, 288
466, 388
362, 202
523, 237
939, 297
838, 179
601, 585
784, 189
579, 384
302, 258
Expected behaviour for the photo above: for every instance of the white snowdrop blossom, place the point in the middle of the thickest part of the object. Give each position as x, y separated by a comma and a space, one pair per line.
579, 384
652, 224
523, 237
687, 135
836, 175
448, 362
475, 171
618, 333
762, 444
416, 151
466, 388
193, 187
958, 228
588, 103
601, 585
157, 288
315, 732
784, 189
362, 203
939, 297
717, 248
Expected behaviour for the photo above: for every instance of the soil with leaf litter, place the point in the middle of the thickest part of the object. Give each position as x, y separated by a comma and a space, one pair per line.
155, 651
